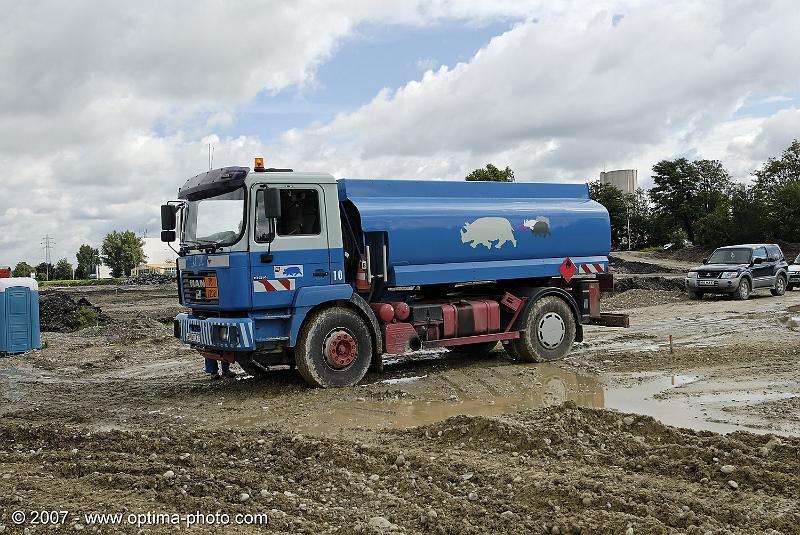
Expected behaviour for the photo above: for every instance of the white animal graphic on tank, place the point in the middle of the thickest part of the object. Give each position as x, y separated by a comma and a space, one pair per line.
486, 230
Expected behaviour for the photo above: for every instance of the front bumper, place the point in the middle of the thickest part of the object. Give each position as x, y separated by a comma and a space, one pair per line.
220, 334
713, 285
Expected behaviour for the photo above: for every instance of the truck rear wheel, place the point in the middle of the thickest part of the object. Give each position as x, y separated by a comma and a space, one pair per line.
549, 331
334, 348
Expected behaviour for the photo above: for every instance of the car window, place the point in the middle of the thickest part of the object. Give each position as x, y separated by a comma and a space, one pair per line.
775, 253
760, 253
730, 256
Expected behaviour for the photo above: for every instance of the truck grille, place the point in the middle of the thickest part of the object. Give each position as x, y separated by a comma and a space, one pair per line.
710, 274
194, 288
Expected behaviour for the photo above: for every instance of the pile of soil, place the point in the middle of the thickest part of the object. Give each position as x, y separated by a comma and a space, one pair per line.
641, 298
623, 284
557, 470
620, 265
58, 312
150, 278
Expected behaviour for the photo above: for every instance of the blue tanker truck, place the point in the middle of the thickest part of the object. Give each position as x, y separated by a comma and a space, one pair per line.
283, 267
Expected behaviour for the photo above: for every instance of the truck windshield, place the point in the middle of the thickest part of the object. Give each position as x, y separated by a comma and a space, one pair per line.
730, 256
214, 221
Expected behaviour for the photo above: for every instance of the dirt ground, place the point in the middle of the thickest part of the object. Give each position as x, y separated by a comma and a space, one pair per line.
624, 436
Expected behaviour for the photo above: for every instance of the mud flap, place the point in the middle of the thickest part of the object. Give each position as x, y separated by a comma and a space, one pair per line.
377, 338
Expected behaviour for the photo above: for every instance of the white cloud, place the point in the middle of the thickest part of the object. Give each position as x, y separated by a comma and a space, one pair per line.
105, 108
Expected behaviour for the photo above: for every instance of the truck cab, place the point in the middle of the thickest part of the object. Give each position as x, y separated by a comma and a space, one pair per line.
284, 267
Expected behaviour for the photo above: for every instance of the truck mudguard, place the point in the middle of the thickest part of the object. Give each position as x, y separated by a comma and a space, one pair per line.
310, 296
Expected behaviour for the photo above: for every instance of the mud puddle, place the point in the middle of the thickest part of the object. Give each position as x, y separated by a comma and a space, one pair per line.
419, 399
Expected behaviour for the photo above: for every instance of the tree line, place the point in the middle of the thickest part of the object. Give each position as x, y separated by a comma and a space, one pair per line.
121, 251
700, 202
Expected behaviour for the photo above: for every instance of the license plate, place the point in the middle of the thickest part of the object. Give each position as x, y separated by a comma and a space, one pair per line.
706, 283
193, 337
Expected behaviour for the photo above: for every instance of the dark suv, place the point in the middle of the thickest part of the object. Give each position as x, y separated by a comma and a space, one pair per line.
739, 270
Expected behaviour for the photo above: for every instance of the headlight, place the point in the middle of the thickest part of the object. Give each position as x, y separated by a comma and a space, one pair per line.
730, 274
692, 275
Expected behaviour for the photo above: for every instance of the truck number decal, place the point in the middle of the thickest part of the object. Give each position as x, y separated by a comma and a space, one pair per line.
338, 275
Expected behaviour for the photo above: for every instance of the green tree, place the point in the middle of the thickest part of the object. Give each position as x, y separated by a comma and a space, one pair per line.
775, 192
746, 216
122, 251
641, 219
685, 191
63, 270
491, 174
23, 269
44, 271
88, 257
614, 201
785, 207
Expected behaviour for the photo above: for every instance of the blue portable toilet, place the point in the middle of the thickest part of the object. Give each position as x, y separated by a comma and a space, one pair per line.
19, 315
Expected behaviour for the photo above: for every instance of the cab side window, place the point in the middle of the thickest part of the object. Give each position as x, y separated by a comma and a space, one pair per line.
300, 215
760, 253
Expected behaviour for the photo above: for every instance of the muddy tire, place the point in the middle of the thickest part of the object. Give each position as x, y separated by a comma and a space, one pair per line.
695, 296
742, 293
780, 286
334, 348
245, 362
549, 331
476, 350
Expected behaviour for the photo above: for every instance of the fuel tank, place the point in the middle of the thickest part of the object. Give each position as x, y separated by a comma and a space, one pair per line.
437, 232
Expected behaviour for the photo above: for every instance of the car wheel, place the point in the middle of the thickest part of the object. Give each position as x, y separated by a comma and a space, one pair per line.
695, 295
334, 348
780, 286
743, 292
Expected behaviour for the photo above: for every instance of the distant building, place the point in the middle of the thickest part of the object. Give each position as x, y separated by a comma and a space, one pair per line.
159, 258
624, 179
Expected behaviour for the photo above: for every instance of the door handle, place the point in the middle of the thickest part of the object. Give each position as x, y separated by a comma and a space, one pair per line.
320, 273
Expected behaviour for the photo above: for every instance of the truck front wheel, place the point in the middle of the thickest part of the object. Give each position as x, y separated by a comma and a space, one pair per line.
334, 348
549, 331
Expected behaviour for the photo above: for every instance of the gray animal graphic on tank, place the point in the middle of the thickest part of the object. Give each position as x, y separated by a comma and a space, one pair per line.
487, 231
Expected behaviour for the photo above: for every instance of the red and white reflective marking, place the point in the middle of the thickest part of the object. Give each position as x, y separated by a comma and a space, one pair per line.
273, 285
593, 268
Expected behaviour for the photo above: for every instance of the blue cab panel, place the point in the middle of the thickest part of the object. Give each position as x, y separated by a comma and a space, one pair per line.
441, 232
19, 315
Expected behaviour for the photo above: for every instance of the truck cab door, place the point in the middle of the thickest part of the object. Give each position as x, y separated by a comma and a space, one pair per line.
299, 254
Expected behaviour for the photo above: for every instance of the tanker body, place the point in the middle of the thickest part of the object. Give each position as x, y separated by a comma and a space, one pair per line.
281, 267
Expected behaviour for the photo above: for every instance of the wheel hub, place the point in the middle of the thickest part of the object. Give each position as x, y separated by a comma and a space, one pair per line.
340, 348
551, 330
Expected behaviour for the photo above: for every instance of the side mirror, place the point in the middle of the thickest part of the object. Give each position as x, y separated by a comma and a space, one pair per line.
168, 220
758, 260
705, 260
271, 201
168, 236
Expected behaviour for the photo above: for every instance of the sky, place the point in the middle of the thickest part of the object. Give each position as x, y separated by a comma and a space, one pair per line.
106, 108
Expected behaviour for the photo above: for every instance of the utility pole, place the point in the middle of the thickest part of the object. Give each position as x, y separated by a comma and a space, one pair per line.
47, 245
210, 156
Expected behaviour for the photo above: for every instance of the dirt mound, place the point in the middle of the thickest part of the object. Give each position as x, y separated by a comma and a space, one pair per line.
150, 278
620, 265
623, 284
558, 470
637, 298
58, 312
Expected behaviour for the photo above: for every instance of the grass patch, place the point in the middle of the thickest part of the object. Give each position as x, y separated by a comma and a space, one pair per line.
653, 249
87, 317
87, 282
